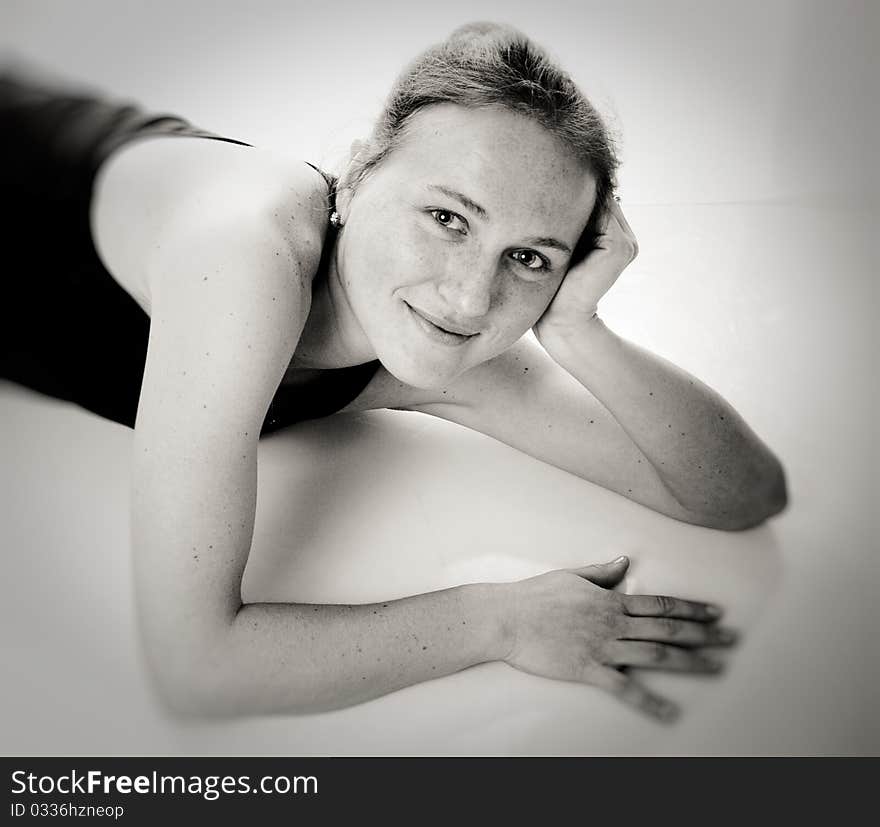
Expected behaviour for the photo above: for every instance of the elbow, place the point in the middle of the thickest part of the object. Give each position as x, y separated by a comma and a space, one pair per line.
187, 694
185, 679
750, 506
766, 501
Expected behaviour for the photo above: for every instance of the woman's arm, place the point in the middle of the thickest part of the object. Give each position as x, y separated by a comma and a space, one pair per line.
706, 455
714, 465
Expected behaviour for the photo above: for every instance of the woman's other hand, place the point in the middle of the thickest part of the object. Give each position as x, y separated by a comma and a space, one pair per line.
570, 625
578, 296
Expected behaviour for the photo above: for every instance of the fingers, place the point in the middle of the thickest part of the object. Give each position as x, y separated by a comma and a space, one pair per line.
615, 213
678, 632
634, 694
650, 655
606, 575
646, 605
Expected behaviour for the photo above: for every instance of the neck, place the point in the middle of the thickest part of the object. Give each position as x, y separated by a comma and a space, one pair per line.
332, 336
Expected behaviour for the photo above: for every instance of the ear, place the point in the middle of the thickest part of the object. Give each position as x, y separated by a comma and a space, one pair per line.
345, 192
343, 202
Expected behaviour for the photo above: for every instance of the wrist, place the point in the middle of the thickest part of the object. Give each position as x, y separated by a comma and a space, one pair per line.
494, 602
558, 330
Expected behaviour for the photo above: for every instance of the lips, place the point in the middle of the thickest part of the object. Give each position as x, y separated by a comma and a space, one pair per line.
446, 327
436, 332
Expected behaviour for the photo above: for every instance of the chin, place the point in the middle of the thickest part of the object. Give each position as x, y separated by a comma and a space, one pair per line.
425, 374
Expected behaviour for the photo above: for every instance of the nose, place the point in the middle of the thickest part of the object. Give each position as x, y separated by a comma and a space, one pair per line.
468, 292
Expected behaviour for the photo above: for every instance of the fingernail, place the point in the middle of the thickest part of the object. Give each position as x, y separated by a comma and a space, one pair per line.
713, 610
726, 635
712, 665
619, 559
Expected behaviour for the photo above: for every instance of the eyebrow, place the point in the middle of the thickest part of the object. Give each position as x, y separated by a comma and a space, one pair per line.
472, 205
555, 243
461, 198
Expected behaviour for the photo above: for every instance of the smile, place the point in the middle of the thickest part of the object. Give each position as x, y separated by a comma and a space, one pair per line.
436, 332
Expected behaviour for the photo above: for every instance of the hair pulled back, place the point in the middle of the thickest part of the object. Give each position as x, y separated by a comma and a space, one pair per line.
489, 64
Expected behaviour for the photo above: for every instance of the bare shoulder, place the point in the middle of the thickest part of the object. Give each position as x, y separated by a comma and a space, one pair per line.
219, 244
157, 188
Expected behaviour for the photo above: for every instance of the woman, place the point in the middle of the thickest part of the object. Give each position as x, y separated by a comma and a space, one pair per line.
236, 294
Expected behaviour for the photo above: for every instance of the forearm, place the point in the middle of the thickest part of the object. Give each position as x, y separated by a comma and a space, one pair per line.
278, 657
707, 456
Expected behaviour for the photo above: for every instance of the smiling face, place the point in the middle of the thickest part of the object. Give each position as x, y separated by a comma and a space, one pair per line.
466, 226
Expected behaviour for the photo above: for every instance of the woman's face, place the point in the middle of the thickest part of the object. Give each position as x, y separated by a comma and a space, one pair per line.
467, 225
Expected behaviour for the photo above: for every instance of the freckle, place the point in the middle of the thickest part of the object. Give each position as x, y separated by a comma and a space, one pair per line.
433, 668
700, 467
384, 605
639, 461
722, 416
630, 490
650, 393
592, 421
204, 278
375, 613
210, 546
364, 678
525, 370
669, 426
424, 648
464, 623
204, 406
682, 433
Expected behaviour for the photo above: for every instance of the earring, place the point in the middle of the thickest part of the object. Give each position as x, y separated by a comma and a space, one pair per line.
335, 220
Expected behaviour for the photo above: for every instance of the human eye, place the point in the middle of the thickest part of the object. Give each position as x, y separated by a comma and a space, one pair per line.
450, 220
531, 260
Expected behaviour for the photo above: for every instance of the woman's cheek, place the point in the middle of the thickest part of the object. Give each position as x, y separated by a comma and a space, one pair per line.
524, 303
396, 254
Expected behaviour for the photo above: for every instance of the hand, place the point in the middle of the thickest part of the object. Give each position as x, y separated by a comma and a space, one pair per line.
577, 298
569, 625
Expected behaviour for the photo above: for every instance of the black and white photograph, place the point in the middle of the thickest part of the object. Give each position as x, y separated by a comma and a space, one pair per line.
462, 379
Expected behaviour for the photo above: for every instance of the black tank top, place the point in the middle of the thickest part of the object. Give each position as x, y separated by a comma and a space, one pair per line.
67, 328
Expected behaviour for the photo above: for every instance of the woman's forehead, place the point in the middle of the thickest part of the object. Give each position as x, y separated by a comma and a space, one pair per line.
492, 130
505, 158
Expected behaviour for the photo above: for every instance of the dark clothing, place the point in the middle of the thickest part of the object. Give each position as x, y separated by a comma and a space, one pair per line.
67, 328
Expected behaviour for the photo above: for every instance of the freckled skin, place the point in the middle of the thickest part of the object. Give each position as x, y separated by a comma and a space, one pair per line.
392, 249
